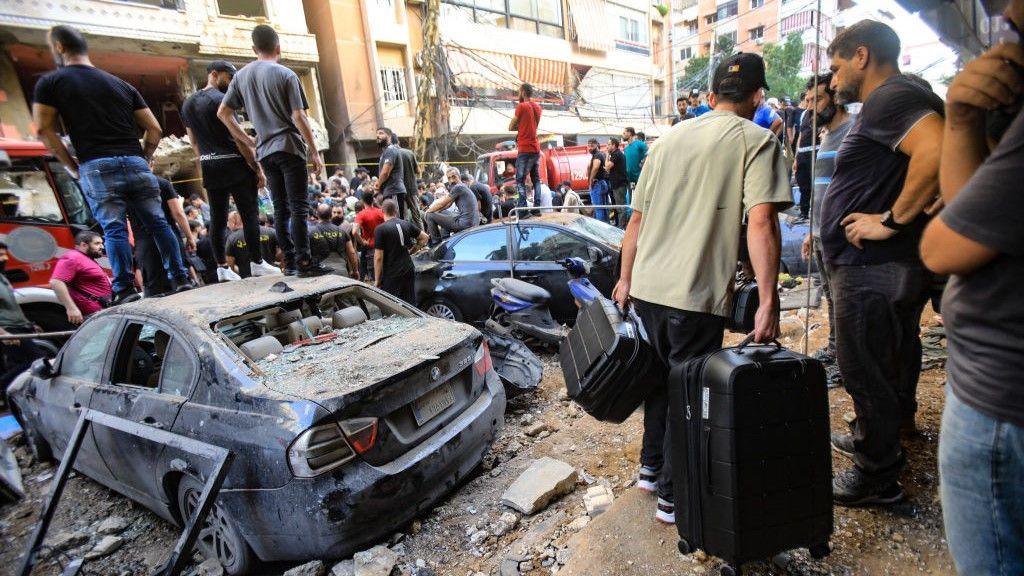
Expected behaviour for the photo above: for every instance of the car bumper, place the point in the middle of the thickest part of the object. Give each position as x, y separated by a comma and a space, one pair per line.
350, 508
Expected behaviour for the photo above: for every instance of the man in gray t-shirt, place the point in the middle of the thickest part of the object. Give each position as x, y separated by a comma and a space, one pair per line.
464, 199
391, 173
273, 100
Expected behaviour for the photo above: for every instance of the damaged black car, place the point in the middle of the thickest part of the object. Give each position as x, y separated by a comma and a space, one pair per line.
349, 412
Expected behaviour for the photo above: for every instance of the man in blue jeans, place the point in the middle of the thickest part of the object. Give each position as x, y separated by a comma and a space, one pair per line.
102, 114
978, 240
525, 122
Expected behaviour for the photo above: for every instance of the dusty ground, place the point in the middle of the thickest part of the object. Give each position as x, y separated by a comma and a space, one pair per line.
458, 537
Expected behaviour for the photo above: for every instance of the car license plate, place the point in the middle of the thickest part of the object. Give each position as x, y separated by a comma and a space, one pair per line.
433, 403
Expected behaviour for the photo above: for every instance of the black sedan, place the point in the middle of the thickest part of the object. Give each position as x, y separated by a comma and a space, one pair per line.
349, 412
453, 280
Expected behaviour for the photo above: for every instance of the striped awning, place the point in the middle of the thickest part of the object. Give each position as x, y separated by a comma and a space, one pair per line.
481, 69
590, 24
547, 75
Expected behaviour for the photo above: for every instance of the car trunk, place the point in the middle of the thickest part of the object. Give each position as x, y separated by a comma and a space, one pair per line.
414, 375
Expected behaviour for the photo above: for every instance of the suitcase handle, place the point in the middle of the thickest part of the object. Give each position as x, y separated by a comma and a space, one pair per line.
750, 338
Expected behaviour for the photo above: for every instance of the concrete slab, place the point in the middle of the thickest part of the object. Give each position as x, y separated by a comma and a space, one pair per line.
627, 541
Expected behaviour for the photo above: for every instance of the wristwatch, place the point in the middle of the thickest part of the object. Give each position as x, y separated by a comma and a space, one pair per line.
889, 222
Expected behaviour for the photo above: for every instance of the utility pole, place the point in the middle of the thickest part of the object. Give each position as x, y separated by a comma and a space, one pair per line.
711, 58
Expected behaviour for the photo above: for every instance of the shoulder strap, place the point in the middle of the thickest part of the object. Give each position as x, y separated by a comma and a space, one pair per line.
401, 234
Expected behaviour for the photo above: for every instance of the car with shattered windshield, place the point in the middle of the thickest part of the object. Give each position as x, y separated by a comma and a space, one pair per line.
349, 412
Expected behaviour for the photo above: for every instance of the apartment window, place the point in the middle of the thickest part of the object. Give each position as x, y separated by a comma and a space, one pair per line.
731, 36
245, 8
686, 53
629, 29
728, 9
757, 33
756, 4
711, 18
542, 17
691, 27
392, 81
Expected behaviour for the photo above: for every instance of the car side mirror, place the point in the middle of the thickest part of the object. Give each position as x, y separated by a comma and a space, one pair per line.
595, 253
43, 369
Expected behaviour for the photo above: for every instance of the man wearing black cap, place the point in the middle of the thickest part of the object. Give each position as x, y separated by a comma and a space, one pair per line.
734, 168
229, 169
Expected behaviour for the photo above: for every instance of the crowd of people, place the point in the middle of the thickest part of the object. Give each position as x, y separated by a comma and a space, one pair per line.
907, 189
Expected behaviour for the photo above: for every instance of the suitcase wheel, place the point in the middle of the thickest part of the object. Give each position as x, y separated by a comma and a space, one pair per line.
819, 551
684, 546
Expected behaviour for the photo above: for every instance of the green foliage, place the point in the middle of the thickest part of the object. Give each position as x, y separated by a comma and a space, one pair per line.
695, 75
782, 67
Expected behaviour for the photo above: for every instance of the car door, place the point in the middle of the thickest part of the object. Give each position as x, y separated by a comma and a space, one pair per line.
467, 266
151, 376
538, 250
80, 366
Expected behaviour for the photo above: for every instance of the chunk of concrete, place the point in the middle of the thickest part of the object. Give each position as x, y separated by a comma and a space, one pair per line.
314, 568
104, 547
544, 481
597, 500
344, 568
66, 540
209, 567
377, 561
113, 525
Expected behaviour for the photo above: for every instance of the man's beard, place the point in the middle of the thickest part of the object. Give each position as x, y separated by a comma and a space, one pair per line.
382, 143
849, 93
826, 115
337, 220
94, 254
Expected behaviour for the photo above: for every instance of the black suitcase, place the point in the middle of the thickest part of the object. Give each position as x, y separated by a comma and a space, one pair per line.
608, 365
752, 423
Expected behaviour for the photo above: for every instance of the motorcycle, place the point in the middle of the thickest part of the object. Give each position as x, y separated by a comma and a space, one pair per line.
520, 309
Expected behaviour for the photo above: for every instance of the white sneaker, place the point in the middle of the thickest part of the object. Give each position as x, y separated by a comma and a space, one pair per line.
666, 512
261, 268
226, 274
647, 480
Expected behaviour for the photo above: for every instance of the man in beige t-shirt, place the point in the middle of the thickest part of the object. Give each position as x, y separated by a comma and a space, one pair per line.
682, 243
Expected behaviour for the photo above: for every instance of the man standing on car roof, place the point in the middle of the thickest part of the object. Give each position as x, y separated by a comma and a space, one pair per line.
393, 241
103, 114
229, 169
734, 168
273, 99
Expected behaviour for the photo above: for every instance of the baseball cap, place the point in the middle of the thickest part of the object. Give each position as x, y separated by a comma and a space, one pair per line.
221, 66
742, 72
695, 93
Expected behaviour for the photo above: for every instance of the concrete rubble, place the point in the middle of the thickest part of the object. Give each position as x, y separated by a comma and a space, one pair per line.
113, 525
314, 568
544, 481
377, 561
598, 499
105, 546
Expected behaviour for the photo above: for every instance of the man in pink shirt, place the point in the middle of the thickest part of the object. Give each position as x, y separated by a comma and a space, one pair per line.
80, 283
528, 148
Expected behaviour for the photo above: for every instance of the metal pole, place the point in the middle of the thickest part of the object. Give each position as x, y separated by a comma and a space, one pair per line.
816, 66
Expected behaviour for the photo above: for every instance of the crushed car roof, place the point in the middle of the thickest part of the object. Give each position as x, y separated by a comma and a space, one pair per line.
208, 304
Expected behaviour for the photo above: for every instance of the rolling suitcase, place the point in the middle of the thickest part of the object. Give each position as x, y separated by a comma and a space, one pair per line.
609, 366
752, 424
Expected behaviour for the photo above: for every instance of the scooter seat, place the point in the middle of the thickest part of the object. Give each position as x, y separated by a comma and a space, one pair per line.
524, 290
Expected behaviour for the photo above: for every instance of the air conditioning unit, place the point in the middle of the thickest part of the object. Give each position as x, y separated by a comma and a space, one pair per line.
759, 41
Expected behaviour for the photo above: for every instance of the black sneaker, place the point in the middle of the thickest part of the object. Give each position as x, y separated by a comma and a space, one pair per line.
312, 270
183, 285
289, 271
843, 444
852, 488
125, 296
666, 511
647, 479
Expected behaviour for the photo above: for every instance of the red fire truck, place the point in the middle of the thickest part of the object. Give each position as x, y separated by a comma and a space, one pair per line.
557, 165
41, 210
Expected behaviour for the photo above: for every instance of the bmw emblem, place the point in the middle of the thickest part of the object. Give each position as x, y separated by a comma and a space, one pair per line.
435, 373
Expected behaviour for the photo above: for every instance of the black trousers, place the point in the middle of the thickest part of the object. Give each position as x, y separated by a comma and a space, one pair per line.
244, 194
19, 357
803, 181
400, 200
878, 343
286, 178
676, 335
401, 287
147, 258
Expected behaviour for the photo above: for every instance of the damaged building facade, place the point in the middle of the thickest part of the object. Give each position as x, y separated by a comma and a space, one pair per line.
161, 47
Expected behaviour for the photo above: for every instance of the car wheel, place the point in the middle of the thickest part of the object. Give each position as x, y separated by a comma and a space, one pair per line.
442, 309
219, 537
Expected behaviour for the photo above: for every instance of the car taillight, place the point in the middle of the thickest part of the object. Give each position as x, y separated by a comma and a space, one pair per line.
482, 360
361, 433
319, 449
